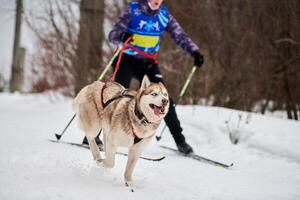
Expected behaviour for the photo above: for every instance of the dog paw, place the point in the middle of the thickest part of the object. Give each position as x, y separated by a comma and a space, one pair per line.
108, 164
99, 162
129, 184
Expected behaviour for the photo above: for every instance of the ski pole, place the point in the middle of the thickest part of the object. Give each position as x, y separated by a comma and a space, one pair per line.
58, 136
109, 63
182, 92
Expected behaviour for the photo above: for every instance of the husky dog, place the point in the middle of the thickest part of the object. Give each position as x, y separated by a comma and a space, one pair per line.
127, 118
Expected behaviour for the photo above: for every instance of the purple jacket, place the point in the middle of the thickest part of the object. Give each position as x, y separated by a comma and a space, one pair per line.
173, 28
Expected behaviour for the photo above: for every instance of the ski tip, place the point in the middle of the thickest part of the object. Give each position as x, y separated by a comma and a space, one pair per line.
57, 136
163, 157
229, 166
154, 159
224, 165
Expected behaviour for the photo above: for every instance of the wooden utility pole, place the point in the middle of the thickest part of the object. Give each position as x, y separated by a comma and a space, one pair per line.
18, 53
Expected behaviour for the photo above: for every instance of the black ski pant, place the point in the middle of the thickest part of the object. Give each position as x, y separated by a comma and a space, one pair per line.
133, 67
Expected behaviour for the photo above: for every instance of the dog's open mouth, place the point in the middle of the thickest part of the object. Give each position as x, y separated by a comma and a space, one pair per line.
158, 110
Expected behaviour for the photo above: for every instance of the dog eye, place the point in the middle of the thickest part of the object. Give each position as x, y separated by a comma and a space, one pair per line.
154, 94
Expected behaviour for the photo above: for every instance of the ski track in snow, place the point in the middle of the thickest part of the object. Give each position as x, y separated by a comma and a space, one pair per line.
266, 160
269, 149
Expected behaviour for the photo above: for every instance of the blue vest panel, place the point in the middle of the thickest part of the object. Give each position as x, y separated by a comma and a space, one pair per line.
147, 30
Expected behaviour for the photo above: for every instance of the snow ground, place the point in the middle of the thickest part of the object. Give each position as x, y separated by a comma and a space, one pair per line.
266, 160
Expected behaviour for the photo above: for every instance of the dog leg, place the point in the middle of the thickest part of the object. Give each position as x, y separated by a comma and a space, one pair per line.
94, 149
133, 156
110, 153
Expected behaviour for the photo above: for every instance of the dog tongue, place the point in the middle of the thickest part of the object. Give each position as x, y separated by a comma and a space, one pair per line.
156, 110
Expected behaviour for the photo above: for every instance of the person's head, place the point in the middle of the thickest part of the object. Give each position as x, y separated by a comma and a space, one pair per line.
155, 4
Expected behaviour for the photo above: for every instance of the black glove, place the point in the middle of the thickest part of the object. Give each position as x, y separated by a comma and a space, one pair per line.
125, 36
198, 59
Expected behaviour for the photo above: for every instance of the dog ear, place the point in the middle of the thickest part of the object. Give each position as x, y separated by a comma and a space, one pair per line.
145, 83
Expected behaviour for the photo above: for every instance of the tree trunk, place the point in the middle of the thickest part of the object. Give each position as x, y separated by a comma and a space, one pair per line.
1, 83
284, 54
89, 47
16, 80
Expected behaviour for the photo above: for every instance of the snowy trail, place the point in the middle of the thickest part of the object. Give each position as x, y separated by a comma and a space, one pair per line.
266, 161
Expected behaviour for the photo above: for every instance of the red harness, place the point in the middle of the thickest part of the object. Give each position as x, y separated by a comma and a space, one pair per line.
136, 138
153, 57
122, 94
125, 45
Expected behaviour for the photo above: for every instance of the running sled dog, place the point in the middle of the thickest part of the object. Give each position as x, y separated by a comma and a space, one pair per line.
127, 118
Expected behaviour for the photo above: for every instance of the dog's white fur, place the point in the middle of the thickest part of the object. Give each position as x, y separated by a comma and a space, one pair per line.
119, 120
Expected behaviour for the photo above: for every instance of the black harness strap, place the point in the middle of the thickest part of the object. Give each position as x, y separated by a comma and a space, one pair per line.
118, 96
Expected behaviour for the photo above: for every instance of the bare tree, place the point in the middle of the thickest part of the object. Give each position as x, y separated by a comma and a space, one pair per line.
1, 83
88, 58
69, 48
18, 53
251, 50
56, 28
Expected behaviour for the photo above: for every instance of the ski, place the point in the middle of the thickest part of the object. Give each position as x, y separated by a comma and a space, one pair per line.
74, 144
101, 149
198, 157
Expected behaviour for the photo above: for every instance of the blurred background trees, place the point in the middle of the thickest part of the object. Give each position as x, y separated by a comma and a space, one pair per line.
251, 49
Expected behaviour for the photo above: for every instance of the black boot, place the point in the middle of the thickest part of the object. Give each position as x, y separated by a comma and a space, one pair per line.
184, 147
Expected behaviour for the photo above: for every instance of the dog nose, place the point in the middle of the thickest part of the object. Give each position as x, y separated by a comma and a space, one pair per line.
164, 101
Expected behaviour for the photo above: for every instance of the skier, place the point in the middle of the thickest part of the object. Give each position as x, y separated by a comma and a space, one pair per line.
144, 21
